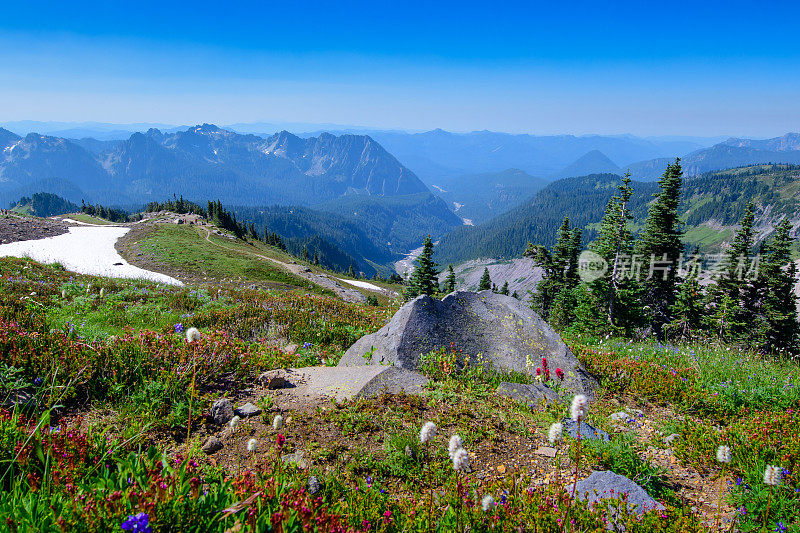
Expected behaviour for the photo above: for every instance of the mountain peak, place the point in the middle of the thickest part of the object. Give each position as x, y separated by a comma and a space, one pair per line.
592, 162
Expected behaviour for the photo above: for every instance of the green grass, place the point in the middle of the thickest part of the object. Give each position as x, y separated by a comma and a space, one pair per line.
706, 237
82, 217
185, 248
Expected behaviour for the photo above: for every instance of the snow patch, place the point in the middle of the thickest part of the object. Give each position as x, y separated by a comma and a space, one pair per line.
362, 284
87, 250
438, 188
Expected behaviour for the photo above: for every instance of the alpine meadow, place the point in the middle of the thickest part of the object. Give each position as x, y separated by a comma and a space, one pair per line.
399, 268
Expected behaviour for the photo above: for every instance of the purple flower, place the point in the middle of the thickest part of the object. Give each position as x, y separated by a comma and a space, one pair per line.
139, 523
780, 527
178, 328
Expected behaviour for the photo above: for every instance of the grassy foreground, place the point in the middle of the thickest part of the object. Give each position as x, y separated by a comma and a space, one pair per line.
103, 379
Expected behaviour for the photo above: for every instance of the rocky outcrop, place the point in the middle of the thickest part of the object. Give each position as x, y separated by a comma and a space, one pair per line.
498, 330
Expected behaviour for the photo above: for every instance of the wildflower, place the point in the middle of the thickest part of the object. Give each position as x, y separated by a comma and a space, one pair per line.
455, 444
192, 334
780, 527
251, 445
461, 460
235, 421
427, 433
280, 440
559, 373
178, 328
724, 454
579, 405
555, 432
487, 502
277, 422
772, 475
140, 523
102, 292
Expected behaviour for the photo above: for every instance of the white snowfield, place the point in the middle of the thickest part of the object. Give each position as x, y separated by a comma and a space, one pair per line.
363, 284
86, 250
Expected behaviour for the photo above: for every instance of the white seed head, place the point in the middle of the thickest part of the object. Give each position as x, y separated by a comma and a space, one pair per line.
277, 422
235, 421
251, 445
455, 444
579, 406
102, 292
487, 502
555, 432
63, 293
427, 432
772, 475
192, 334
724, 454
461, 460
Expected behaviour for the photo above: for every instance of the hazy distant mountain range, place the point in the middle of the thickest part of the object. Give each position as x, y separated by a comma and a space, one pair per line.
205, 162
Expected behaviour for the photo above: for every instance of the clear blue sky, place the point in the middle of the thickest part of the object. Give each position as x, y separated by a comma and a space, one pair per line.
648, 68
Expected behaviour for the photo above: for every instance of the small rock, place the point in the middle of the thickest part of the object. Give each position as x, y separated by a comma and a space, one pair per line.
248, 410
620, 417
671, 439
222, 411
296, 458
587, 431
409, 451
291, 348
212, 445
313, 485
602, 485
546, 451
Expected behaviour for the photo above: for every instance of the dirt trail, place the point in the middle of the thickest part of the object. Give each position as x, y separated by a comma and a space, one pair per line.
350, 295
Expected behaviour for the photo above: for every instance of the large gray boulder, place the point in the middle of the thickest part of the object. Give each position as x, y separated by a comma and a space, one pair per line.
503, 330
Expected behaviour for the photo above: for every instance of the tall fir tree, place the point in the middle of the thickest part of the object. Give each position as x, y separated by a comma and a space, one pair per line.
659, 248
733, 297
779, 303
614, 294
450, 280
504, 289
486, 281
560, 275
424, 278
689, 310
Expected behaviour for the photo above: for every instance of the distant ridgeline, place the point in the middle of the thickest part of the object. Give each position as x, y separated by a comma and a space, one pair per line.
43, 204
711, 205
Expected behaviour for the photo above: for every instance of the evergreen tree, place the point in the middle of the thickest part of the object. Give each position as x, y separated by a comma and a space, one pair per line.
504, 289
614, 294
486, 281
732, 299
779, 307
660, 248
689, 307
450, 280
424, 278
515, 295
560, 273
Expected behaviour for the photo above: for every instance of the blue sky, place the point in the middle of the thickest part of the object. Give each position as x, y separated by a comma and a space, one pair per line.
648, 68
